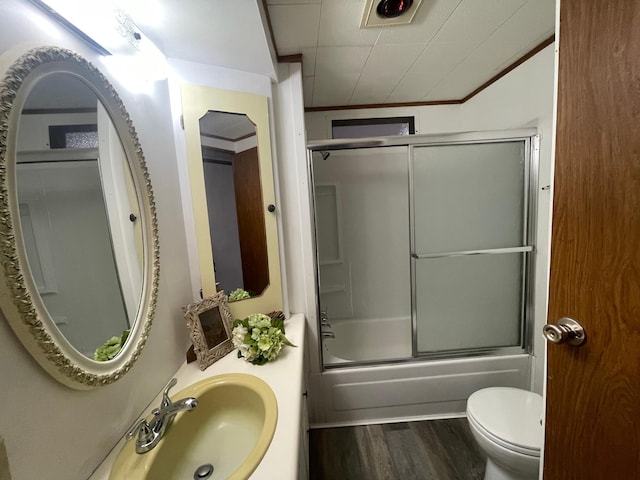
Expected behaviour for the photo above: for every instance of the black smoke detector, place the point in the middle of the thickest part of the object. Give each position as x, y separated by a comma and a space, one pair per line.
393, 8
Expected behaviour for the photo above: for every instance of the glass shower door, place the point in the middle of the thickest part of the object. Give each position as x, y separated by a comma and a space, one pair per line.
469, 245
361, 210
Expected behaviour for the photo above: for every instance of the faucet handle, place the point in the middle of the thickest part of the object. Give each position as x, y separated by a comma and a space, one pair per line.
142, 429
166, 401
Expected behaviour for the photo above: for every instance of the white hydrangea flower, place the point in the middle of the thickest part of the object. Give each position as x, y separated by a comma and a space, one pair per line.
239, 333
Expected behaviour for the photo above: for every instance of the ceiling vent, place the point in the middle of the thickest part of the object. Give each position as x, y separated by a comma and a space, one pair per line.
382, 13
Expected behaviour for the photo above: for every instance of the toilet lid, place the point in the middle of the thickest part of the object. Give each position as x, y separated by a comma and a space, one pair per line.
510, 415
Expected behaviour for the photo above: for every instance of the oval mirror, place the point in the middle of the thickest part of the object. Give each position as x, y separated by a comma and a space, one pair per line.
81, 256
231, 169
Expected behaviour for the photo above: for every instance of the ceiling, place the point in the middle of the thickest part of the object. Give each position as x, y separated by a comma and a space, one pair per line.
451, 48
231, 127
58, 92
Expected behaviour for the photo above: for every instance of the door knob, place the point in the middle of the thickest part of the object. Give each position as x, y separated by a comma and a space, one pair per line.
565, 330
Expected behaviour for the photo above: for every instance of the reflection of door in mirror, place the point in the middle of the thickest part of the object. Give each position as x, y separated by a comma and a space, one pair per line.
234, 202
75, 199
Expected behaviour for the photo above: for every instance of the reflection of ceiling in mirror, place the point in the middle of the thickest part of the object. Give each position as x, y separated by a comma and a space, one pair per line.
226, 126
60, 91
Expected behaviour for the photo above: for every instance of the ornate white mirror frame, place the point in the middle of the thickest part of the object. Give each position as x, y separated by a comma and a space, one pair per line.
20, 301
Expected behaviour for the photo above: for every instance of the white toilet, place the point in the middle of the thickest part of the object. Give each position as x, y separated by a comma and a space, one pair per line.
506, 423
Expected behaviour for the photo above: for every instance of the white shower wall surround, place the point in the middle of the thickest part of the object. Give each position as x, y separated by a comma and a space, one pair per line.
362, 210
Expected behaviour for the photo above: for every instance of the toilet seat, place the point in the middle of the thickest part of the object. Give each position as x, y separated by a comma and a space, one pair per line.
509, 417
502, 443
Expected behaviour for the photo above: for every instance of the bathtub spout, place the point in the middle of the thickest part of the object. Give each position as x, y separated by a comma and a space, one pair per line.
328, 334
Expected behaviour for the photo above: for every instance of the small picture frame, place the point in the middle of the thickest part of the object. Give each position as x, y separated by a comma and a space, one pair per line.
210, 324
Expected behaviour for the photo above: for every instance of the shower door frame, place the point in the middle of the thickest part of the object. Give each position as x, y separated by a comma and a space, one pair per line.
531, 140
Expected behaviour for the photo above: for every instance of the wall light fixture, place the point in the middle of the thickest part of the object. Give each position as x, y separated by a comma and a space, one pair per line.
109, 30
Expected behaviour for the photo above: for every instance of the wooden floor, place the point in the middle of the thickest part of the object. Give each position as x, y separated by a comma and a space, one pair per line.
435, 449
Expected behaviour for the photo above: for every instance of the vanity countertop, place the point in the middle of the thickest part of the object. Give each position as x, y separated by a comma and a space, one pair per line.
284, 376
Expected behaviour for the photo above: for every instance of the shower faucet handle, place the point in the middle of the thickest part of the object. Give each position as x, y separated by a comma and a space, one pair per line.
324, 319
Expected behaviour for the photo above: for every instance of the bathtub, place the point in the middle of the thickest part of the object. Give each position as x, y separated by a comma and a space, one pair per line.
350, 393
365, 340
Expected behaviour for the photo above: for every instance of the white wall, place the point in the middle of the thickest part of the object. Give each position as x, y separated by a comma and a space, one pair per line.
69, 220
66, 201
294, 200
523, 98
51, 431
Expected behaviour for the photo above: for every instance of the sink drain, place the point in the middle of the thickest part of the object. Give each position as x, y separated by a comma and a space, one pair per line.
203, 471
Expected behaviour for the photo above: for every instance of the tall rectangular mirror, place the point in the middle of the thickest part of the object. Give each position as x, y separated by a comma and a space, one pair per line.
229, 155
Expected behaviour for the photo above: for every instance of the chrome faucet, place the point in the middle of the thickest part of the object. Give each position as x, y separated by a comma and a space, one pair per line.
150, 433
325, 326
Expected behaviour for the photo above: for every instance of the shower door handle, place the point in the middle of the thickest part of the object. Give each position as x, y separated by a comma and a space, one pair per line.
566, 330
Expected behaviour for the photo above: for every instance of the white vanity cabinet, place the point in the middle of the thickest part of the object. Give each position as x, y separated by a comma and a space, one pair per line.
303, 472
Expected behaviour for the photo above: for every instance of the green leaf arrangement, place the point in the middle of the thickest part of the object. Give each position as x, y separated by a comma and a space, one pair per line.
111, 347
238, 294
259, 338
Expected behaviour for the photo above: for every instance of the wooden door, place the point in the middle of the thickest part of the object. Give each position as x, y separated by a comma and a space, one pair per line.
593, 391
250, 214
